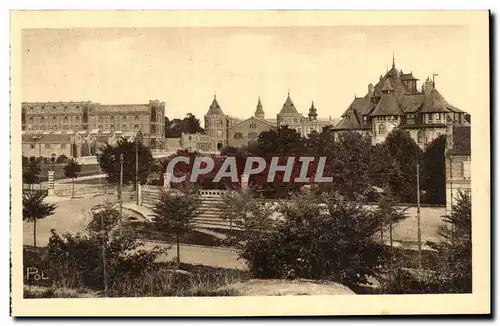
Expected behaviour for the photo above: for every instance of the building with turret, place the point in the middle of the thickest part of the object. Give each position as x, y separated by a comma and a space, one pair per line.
396, 102
224, 130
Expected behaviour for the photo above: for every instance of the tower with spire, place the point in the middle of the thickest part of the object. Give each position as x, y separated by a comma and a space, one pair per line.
313, 115
259, 111
215, 124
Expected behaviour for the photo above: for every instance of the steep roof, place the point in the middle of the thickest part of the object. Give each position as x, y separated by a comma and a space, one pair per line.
434, 102
288, 107
407, 76
349, 121
461, 141
215, 108
387, 105
259, 109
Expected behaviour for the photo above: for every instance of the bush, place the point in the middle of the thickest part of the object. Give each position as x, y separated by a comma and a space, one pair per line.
62, 159
76, 260
320, 237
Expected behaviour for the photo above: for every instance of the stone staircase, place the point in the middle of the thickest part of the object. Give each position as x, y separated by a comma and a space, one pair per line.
209, 213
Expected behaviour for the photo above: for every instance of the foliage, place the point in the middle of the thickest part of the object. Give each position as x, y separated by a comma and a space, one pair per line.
452, 272
456, 250
176, 212
320, 237
77, 260
109, 160
31, 172
434, 172
62, 159
246, 212
406, 153
190, 125
71, 170
35, 209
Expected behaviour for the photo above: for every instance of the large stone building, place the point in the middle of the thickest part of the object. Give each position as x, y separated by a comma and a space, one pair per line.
72, 117
396, 102
222, 130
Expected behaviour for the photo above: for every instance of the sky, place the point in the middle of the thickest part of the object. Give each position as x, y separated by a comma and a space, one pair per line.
185, 67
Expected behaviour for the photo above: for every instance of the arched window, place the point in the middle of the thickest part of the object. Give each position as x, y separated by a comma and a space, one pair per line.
219, 133
382, 129
252, 135
190, 138
124, 127
420, 137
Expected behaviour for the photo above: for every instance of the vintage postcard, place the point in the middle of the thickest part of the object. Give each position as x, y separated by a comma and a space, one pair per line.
250, 163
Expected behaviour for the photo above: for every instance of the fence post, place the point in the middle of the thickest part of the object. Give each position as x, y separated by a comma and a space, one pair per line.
244, 181
139, 194
51, 183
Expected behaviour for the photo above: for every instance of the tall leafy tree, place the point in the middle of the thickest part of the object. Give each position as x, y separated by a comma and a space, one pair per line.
31, 172
406, 154
175, 127
35, 209
109, 160
434, 171
456, 251
176, 212
71, 170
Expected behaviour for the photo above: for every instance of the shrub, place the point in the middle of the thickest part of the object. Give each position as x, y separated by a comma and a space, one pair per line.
320, 237
61, 159
77, 260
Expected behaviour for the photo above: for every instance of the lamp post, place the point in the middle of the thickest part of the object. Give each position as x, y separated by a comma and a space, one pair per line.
136, 171
121, 186
419, 234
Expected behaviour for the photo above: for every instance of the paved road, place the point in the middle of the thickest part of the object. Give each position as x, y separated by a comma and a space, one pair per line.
71, 215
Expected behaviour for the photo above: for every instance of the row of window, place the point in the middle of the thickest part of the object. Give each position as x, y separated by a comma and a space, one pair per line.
54, 108
32, 146
251, 135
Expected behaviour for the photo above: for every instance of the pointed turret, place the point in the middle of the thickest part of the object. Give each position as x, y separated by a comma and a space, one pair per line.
313, 115
259, 112
387, 89
288, 106
215, 108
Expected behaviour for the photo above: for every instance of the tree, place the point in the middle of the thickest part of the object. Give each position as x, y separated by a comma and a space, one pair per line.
31, 172
175, 127
109, 160
319, 237
35, 209
456, 251
72, 170
78, 258
176, 212
406, 154
245, 211
389, 214
434, 171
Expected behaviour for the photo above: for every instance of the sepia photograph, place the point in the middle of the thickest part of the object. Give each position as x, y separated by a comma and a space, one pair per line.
271, 162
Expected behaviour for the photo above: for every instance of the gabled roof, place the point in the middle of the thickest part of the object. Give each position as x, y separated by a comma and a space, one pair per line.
349, 121
270, 124
387, 105
288, 107
215, 108
387, 86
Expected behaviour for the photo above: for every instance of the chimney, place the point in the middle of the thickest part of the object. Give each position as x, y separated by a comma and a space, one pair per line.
370, 89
